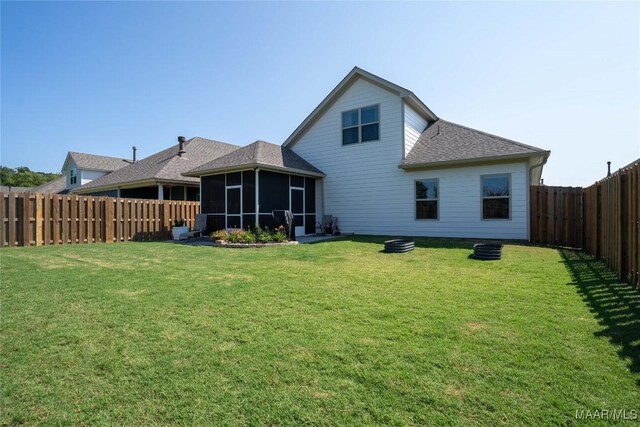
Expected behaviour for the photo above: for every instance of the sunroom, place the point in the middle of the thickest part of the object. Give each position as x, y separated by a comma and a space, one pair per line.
244, 187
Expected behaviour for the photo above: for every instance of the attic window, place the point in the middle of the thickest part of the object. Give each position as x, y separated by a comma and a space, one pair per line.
361, 125
73, 177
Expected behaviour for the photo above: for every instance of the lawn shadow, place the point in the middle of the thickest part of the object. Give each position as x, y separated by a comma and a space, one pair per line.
615, 304
421, 242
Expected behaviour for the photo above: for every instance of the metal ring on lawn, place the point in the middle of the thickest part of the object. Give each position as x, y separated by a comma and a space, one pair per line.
487, 251
399, 245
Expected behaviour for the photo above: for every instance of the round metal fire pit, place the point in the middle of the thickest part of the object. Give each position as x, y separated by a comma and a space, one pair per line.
487, 251
399, 245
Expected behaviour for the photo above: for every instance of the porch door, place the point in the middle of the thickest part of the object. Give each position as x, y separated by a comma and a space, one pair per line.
234, 207
297, 208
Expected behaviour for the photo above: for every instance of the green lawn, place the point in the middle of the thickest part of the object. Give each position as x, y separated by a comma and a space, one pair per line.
333, 333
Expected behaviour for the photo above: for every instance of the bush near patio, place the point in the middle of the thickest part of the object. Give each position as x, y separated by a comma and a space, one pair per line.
257, 235
332, 333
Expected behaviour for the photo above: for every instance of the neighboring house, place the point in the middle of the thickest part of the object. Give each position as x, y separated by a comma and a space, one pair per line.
10, 189
81, 168
57, 186
159, 176
389, 166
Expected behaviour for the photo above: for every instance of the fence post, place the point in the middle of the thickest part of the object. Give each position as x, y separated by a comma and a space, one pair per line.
39, 227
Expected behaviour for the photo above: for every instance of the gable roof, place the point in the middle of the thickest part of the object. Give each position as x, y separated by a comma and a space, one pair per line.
355, 74
444, 143
165, 165
260, 154
96, 162
57, 186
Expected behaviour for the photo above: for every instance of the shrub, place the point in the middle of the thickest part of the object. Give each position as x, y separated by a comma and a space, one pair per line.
248, 237
263, 235
280, 235
220, 235
241, 236
180, 222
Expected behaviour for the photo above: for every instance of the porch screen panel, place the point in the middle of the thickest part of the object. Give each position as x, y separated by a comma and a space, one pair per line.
213, 191
310, 224
309, 195
248, 221
249, 192
233, 201
266, 221
274, 192
215, 223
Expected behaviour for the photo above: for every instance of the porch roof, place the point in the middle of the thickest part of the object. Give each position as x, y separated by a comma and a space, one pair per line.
260, 154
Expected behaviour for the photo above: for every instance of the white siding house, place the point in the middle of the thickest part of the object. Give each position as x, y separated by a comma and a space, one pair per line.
414, 125
371, 186
82, 168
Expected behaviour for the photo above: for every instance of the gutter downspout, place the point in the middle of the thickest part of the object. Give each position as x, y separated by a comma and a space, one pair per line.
540, 165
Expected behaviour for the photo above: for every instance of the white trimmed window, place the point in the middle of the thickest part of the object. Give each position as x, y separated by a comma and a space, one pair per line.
361, 125
427, 199
73, 177
496, 196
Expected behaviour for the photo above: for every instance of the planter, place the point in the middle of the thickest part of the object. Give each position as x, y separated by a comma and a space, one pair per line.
177, 231
399, 246
487, 251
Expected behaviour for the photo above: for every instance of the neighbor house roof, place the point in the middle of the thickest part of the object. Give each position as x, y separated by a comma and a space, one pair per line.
11, 189
444, 143
165, 166
57, 186
355, 74
259, 154
96, 162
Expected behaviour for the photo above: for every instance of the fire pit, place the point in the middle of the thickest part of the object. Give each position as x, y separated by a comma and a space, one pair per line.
399, 245
487, 251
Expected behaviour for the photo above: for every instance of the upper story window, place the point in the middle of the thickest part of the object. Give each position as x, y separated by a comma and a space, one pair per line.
361, 125
427, 199
496, 194
73, 177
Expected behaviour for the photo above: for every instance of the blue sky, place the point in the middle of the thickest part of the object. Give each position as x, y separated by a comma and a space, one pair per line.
101, 77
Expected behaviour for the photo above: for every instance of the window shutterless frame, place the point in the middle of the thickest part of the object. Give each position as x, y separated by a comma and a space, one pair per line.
359, 124
483, 198
436, 199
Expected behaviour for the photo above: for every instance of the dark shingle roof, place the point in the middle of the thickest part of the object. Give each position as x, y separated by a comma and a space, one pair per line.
10, 189
165, 165
259, 153
99, 163
445, 142
57, 186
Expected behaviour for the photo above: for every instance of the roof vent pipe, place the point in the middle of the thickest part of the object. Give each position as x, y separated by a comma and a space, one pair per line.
134, 153
181, 145
608, 169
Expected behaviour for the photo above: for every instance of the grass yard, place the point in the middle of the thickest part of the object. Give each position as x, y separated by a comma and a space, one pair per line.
332, 333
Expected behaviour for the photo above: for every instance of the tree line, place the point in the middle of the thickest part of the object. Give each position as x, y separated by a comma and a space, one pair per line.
24, 177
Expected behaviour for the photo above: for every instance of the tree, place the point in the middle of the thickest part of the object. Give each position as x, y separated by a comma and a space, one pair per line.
22, 176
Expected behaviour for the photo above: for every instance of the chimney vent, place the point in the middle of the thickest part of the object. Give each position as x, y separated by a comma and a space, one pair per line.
181, 150
608, 168
134, 153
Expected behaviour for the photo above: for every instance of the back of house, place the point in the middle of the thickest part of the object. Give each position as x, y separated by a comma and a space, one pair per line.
392, 167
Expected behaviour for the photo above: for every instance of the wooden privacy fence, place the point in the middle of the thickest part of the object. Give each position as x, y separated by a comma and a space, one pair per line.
50, 219
556, 215
612, 216
602, 219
